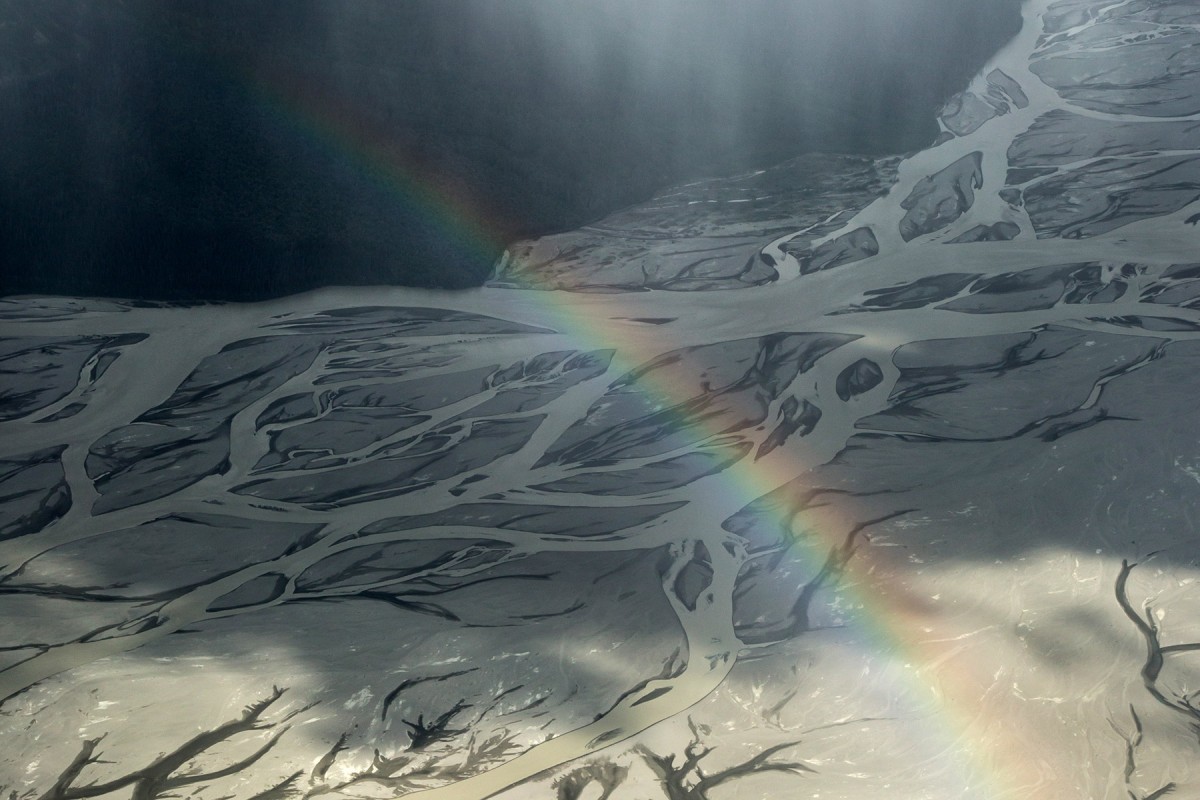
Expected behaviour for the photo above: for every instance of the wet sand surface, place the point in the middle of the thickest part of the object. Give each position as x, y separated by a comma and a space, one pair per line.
773, 486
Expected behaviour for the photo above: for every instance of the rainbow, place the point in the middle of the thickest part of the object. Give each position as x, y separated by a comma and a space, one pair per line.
341, 130
953, 687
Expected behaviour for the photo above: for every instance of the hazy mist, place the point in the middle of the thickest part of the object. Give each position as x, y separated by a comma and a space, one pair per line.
194, 149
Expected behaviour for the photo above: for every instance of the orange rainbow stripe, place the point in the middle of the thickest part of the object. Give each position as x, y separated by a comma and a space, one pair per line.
956, 685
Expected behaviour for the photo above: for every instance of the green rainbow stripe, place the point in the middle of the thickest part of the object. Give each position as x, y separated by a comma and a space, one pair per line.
342, 131
891, 617
892, 613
